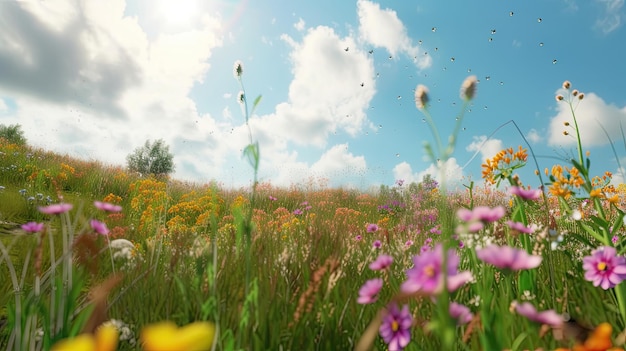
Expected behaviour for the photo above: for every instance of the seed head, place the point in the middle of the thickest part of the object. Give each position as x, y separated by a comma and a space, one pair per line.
566, 124
468, 88
565, 132
581, 96
238, 69
574, 92
566, 84
421, 96
241, 97
559, 97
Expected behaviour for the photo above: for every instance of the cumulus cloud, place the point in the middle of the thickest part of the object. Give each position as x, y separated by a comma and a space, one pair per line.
612, 15
383, 28
299, 26
3, 106
486, 148
592, 114
533, 136
453, 173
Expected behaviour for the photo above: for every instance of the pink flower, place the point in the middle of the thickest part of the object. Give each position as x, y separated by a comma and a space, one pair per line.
549, 317
526, 194
99, 227
372, 228
56, 208
377, 244
32, 227
506, 257
481, 213
107, 207
381, 263
520, 227
297, 212
358, 237
396, 327
461, 313
369, 291
604, 268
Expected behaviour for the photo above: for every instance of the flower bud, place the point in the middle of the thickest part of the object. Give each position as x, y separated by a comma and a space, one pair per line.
559, 97
421, 96
566, 84
468, 88
565, 132
581, 96
574, 92
238, 69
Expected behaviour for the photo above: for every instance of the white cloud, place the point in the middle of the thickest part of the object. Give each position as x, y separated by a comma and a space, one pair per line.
3, 106
592, 113
453, 173
383, 28
299, 26
486, 148
533, 136
612, 15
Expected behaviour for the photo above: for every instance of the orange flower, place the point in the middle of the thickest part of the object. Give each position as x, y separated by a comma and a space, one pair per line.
599, 340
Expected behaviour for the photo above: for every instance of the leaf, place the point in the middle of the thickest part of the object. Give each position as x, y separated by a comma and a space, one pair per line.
255, 103
591, 231
251, 152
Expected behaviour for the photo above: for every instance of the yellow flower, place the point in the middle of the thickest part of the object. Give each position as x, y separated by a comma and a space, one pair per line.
166, 336
105, 339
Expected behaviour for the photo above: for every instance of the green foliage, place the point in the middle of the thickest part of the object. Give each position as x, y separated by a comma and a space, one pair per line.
151, 158
13, 134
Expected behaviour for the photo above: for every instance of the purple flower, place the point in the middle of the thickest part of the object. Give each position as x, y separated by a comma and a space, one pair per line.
396, 327
377, 244
273, 198
526, 194
426, 274
369, 291
381, 263
408, 243
520, 227
461, 313
549, 317
400, 182
108, 207
604, 268
506, 257
358, 237
99, 227
372, 228
32, 227
481, 213
297, 212
614, 239
56, 208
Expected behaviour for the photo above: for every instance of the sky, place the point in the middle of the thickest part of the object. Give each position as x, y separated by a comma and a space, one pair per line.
96, 79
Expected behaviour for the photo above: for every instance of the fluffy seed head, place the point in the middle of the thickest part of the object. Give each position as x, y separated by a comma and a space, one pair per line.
468, 88
421, 96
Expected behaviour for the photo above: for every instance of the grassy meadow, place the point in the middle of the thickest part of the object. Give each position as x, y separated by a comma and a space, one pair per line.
412, 266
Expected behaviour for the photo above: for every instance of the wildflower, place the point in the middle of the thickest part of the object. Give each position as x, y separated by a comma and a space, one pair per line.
614, 239
167, 336
549, 317
381, 263
526, 194
577, 215
421, 97
461, 313
426, 274
99, 227
297, 212
241, 97
468, 88
481, 214
559, 97
604, 268
105, 339
520, 227
599, 339
506, 257
396, 327
107, 207
581, 96
377, 244
400, 182
238, 69
371, 228
272, 198
369, 291
358, 237
32, 227
56, 208
566, 84
408, 243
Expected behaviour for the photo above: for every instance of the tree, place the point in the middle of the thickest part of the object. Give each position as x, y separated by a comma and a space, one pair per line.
151, 158
13, 134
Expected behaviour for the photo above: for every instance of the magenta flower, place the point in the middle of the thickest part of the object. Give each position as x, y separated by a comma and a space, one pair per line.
358, 237
273, 198
408, 243
369, 291
506, 257
549, 317
297, 212
520, 227
32, 227
377, 244
107, 207
381, 263
461, 313
481, 213
372, 228
604, 268
99, 227
396, 327
56, 208
526, 194
426, 274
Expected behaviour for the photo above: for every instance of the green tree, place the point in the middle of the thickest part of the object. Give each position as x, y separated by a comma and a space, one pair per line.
151, 158
13, 134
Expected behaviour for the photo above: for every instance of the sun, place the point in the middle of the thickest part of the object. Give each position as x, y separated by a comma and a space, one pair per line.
177, 11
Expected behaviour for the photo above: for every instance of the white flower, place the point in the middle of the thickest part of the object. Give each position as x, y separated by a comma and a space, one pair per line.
577, 215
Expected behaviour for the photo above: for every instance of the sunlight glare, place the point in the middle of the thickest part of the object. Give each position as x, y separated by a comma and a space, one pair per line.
178, 11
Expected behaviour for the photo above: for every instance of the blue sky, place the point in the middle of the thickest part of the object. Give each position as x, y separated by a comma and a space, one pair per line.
96, 79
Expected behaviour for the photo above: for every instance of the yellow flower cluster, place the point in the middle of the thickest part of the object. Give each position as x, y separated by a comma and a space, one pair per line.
565, 180
502, 165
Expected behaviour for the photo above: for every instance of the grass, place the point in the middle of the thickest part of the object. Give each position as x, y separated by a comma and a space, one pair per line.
308, 256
